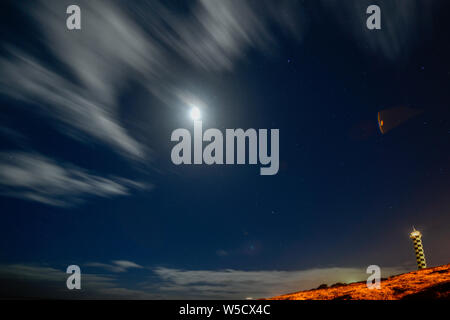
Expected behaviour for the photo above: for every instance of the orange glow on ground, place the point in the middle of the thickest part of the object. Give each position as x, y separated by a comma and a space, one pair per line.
429, 283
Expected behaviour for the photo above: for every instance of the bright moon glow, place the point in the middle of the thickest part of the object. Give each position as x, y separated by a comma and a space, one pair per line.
195, 113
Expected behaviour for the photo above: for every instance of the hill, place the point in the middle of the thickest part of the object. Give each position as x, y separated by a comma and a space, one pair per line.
429, 283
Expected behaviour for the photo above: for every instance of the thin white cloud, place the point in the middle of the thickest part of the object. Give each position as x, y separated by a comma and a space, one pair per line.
238, 284
46, 273
218, 33
100, 59
25, 78
401, 23
25, 280
37, 281
138, 42
37, 178
115, 266
114, 46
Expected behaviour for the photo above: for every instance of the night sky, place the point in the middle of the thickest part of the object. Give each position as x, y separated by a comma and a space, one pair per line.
86, 176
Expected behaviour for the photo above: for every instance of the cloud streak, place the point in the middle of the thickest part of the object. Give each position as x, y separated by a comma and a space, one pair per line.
22, 280
38, 282
80, 89
37, 178
150, 43
111, 49
138, 42
219, 33
85, 96
401, 24
239, 284
116, 265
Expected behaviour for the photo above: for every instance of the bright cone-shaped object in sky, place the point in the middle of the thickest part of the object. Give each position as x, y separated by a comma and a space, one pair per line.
388, 119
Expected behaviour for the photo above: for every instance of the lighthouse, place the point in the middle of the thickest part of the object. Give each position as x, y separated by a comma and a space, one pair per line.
416, 236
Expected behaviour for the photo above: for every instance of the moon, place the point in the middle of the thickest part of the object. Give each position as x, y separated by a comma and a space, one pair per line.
195, 113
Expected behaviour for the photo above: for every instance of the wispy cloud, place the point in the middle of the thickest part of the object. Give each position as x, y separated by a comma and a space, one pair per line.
114, 46
219, 33
22, 280
402, 22
238, 284
149, 43
115, 266
140, 41
76, 78
37, 178
83, 97
37, 281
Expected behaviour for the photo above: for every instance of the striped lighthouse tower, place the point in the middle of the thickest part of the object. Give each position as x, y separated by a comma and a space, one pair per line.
418, 248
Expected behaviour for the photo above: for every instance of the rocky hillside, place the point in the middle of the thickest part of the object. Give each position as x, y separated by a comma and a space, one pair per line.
430, 283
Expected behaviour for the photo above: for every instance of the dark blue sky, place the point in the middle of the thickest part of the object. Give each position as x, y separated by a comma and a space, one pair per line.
85, 171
